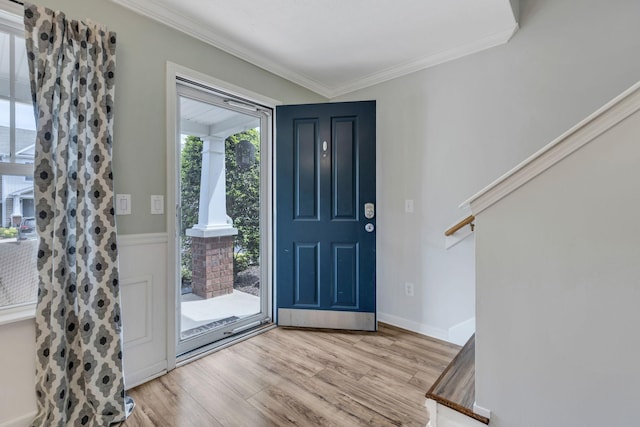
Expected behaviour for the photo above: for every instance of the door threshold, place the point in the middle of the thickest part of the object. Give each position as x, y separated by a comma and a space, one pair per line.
206, 350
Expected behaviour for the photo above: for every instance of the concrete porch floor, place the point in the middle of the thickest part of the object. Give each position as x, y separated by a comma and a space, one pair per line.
197, 311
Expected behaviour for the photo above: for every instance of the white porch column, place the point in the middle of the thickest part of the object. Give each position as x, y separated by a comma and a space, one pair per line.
212, 236
212, 214
16, 215
17, 206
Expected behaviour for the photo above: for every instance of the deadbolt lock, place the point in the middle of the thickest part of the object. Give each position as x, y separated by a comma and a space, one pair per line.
369, 210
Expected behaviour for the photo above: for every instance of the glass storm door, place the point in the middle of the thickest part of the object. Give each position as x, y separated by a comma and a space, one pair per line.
221, 215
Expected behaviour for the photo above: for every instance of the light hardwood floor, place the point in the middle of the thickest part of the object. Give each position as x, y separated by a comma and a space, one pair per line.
300, 377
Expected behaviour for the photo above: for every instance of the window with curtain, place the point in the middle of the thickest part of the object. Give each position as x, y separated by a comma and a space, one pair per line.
18, 237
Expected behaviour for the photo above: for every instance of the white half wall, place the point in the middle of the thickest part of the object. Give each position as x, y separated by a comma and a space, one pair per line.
143, 278
446, 132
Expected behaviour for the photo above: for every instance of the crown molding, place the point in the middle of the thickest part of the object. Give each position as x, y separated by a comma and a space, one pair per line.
173, 19
492, 40
158, 12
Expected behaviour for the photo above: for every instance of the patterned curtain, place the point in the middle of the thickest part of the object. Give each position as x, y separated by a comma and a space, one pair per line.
79, 378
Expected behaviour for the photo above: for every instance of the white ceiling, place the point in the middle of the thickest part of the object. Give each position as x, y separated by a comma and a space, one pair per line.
333, 47
205, 119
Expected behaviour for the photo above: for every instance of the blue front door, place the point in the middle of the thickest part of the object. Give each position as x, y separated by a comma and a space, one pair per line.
325, 215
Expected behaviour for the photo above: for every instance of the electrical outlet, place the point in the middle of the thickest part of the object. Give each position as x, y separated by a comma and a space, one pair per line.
408, 289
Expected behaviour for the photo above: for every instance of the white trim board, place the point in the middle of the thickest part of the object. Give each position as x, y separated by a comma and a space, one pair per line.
145, 375
17, 313
605, 118
457, 334
481, 411
176, 70
410, 325
22, 421
142, 239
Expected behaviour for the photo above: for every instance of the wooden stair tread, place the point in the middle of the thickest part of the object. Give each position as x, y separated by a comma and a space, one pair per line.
455, 388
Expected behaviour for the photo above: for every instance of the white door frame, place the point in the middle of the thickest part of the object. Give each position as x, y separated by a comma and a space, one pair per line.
174, 71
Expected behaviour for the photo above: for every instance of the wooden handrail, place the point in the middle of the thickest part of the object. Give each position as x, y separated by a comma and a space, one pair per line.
467, 221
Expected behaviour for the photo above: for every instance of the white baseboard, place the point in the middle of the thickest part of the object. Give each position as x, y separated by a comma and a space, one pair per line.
410, 325
460, 333
481, 411
145, 375
22, 421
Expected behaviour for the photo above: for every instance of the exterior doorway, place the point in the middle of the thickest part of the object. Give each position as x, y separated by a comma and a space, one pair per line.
221, 282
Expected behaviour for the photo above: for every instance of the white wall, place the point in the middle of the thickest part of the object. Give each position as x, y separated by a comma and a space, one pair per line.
558, 291
446, 132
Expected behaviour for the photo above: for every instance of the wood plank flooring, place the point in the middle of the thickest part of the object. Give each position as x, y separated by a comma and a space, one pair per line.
455, 388
300, 377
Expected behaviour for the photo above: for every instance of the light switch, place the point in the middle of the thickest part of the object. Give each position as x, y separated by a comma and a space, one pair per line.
408, 206
157, 205
123, 204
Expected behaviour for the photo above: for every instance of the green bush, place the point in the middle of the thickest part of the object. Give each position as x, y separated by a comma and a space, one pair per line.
243, 194
240, 262
7, 233
190, 169
186, 274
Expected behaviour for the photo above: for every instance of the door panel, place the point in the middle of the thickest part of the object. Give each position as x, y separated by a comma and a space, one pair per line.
306, 169
326, 262
345, 191
307, 285
345, 277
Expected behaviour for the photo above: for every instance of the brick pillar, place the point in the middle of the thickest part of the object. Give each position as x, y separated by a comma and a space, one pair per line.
212, 266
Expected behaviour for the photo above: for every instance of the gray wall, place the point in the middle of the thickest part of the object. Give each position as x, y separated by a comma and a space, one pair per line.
144, 46
446, 132
558, 291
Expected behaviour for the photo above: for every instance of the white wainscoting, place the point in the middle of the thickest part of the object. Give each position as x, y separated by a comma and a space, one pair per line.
143, 281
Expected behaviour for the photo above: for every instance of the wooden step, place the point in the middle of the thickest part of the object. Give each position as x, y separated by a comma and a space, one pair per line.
455, 388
